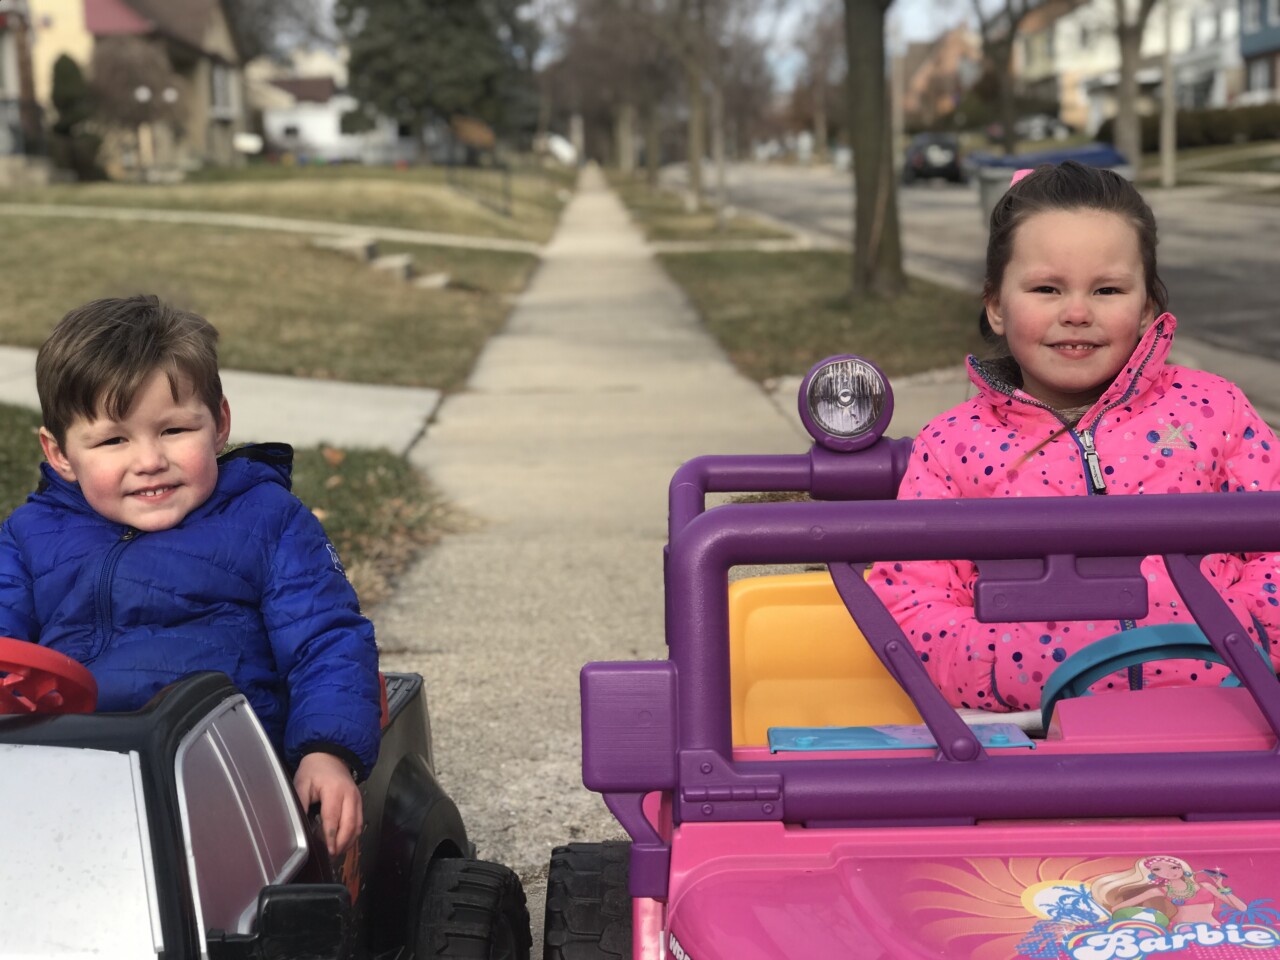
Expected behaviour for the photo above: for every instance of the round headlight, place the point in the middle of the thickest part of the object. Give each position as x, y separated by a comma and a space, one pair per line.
845, 403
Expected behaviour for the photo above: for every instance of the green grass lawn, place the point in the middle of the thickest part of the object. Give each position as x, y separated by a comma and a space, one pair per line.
281, 305
417, 198
779, 313
662, 216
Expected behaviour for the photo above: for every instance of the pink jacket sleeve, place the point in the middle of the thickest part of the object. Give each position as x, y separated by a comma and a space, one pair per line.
1251, 584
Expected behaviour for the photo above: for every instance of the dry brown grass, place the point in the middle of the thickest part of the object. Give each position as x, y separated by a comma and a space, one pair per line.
377, 196
280, 305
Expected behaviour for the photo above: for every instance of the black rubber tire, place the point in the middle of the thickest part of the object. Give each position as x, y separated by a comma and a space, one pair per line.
473, 910
588, 904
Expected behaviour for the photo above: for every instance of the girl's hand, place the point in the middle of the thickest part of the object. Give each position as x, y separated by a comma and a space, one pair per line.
324, 779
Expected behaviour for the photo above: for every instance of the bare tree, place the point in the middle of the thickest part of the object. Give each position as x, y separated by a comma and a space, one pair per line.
613, 85
877, 245
822, 46
999, 31
266, 27
1131, 22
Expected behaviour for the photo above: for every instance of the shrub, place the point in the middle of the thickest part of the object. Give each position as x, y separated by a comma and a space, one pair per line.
72, 145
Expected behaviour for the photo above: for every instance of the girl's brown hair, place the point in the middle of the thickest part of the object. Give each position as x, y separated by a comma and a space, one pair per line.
99, 355
1069, 185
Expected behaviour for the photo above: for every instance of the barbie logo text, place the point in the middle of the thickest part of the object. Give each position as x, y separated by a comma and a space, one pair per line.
1127, 943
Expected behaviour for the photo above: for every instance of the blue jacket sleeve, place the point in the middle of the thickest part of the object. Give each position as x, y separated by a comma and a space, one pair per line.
17, 596
323, 646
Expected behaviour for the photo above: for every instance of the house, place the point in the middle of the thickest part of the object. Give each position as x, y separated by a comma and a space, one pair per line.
938, 73
301, 104
1087, 53
1068, 51
1260, 49
1209, 71
192, 117
1035, 53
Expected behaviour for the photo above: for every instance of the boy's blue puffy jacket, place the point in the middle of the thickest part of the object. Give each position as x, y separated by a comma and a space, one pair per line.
247, 584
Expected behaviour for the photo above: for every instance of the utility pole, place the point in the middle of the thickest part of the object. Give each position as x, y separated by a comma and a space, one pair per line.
1168, 107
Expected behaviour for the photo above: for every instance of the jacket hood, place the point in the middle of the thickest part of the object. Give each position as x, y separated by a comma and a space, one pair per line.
238, 470
996, 380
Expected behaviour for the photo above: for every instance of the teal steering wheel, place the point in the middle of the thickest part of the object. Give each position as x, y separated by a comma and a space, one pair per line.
1128, 648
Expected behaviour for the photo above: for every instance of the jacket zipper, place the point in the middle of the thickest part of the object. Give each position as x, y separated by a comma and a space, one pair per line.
1094, 468
1083, 439
102, 599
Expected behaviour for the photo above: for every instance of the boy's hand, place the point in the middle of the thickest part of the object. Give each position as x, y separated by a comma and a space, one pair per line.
324, 779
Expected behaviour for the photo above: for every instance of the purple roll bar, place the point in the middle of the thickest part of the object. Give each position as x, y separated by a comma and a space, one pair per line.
1076, 557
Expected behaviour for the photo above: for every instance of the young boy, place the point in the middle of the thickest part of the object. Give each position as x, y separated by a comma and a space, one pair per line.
146, 556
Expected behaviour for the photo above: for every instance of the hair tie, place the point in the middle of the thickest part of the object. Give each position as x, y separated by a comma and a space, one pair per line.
1019, 174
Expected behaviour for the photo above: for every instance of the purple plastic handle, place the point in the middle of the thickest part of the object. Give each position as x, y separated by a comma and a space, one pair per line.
874, 474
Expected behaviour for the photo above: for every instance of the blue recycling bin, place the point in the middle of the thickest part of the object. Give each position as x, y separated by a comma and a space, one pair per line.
995, 170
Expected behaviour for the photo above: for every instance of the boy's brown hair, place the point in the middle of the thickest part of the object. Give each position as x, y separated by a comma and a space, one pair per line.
98, 356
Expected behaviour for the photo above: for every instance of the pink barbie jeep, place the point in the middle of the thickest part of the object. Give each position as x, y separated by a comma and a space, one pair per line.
794, 786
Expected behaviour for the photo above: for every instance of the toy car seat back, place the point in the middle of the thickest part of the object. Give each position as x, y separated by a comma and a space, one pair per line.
798, 660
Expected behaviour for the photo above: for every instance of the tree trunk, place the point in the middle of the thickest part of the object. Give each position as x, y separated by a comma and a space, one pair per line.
877, 249
1003, 63
652, 144
717, 154
624, 138
820, 133
697, 127
28, 113
1128, 137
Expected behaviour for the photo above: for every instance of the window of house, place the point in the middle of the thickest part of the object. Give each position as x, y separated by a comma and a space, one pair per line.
221, 92
1204, 28
291, 130
1252, 16
1259, 75
1273, 12
1084, 36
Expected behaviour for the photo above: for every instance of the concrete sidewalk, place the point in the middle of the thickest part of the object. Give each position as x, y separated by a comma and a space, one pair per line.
559, 450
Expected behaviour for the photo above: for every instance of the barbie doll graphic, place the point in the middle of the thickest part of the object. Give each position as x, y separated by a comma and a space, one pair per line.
1170, 888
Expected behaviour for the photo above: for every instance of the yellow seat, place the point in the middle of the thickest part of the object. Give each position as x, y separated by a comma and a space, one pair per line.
796, 659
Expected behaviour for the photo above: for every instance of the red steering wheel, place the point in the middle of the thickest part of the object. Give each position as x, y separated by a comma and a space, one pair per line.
35, 679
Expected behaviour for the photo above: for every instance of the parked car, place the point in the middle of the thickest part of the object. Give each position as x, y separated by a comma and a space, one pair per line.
933, 155
795, 786
174, 833
1036, 126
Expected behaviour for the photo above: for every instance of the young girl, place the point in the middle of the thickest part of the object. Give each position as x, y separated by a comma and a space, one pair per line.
1079, 402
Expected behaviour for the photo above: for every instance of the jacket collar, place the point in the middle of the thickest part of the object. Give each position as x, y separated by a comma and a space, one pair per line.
994, 379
